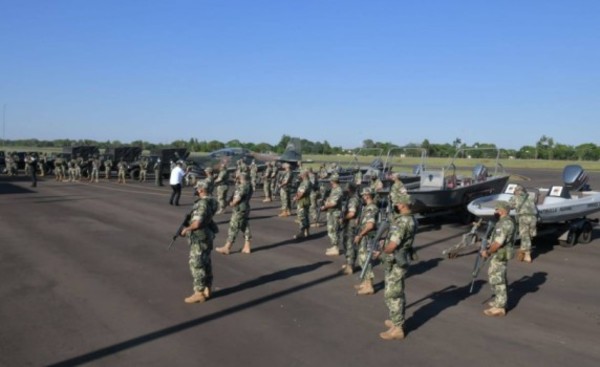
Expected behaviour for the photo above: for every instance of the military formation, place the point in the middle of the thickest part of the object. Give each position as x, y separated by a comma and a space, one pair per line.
364, 221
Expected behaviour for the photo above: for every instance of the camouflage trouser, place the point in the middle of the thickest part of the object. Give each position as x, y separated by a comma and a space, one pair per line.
58, 173
267, 188
497, 280
222, 196
94, 174
239, 222
333, 225
121, 175
285, 200
253, 182
78, 173
363, 251
107, 174
527, 230
393, 295
143, 175
314, 197
71, 173
349, 231
200, 265
302, 213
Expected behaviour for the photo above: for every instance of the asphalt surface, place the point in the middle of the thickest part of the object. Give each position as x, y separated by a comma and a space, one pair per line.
87, 279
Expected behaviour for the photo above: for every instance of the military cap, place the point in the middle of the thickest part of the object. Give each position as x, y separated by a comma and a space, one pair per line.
401, 199
519, 188
201, 185
501, 204
334, 177
367, 191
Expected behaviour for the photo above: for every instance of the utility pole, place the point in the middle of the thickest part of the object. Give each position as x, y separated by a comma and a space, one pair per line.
3, 124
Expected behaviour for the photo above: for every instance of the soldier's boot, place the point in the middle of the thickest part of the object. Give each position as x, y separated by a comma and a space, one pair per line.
195, 298
299, 235
306, 233
495, 311
206, 292
246, 248
520, 255
527, 257
366, 289
347, 269
332, 251
282, 214
394, 333
315, 225
389, 324
225, 249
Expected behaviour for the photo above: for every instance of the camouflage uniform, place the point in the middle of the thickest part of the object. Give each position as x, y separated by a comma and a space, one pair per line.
201, 243
527, 219
222, 188
314, 197
267, 183
59, 173
253, 175
122, 167
71, 170
143, 169
95, 168
284, 192
369, 214
395, 265
334, 207
302, 199
78, 164
397, 190
349, 228
210, 180
503, 233
241, 212
107, 168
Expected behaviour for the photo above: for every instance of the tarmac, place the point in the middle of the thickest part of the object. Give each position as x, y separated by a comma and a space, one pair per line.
87, 279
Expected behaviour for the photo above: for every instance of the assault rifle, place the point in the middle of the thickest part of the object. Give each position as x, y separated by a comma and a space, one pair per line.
373, 246
468, 239
478, 260
185, 223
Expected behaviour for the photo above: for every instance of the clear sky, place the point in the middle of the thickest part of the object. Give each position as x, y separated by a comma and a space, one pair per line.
504, 72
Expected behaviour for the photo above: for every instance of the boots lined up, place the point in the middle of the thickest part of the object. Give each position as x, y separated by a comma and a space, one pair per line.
226, 248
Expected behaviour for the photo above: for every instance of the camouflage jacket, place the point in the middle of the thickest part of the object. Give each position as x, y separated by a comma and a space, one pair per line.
242, 194
524, 204
369, 215
504, 234
203, 210
402, 232
303, 193
335, 198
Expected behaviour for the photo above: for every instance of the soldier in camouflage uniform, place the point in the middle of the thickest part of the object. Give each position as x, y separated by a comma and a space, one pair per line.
526, 212
267, 182
59, 172
284, 192
240, 217
302, 200
349, 226
314, 197
253, 174
121, 169
78, 165
210, 180
201, 233
222, 182
367, 229
500, 250
397, 190
71, 170
395, 259
95, 169
143, 169
333, 206
107, 168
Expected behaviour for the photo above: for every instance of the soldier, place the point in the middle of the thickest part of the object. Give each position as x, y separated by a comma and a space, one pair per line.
274, 178
201, 233
222, 182
358, 177
253, 174
333, 206
210, 180
302, 200
397, 190
157, 173
267, 182
284, 192
240, 217
121, 169
367, 229
500, 250
349, 226
31, 162
397, 254
95, 168
78, 164
107, 168
59, 172
143, 169
526, 211
42, 164
71, 170
314, 198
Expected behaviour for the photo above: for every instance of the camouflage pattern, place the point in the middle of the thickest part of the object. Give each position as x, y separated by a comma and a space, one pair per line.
358, 178
253, 175
369, 215
396, 191
95, 170
210, 181
303, 203
334, 201
59, 173
527, 218
71, 170
395, 265
222, 188
201, 243
143, 170
121, 169
241, 212
284, 192
267, 181
503, 233
349, 229
107, 168
78, 164
314, 196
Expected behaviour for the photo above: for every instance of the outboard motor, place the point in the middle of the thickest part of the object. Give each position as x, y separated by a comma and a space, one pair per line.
418, 169
575, 178
480, 173
377, 164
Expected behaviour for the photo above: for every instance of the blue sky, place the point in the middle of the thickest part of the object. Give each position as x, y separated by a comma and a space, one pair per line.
503, 72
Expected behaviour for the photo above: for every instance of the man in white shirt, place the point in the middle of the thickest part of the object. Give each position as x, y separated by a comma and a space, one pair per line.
175, 181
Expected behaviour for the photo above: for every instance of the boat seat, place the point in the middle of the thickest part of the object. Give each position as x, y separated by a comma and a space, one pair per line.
432, 180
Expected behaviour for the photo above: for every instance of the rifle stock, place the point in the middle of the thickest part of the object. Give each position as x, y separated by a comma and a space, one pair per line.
373, 245
184, 224
478, 262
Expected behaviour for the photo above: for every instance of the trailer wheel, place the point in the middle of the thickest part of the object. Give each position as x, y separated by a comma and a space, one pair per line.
571, 239
586, 233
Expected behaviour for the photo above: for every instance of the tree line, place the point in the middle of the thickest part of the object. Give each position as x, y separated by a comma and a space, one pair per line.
544, 148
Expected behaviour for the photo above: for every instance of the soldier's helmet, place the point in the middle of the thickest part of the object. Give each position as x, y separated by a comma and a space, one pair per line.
402, 199
201, 185
367, 191
519, 189
334, 178
504, 205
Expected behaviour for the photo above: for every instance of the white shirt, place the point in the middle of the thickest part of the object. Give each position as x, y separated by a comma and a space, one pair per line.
176, 176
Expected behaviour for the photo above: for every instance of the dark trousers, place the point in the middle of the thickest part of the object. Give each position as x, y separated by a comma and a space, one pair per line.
33, 177
176, 194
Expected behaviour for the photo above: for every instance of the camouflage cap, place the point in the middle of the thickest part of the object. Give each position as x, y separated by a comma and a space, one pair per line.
402, 199
501, 204
334, 177
367, 191
519, 188
201, 185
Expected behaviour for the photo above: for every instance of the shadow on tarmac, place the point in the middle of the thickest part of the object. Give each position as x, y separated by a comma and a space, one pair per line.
416, 269
527, 284
290, 241
162, 333
9, 188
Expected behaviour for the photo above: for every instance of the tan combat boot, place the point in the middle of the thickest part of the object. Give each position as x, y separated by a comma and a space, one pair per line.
366, 289
332, 251
246, 248
520, 255
527, 256
206, 292
388, 323
394, 333
495, 311
197, 297
225, 249
347, 269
